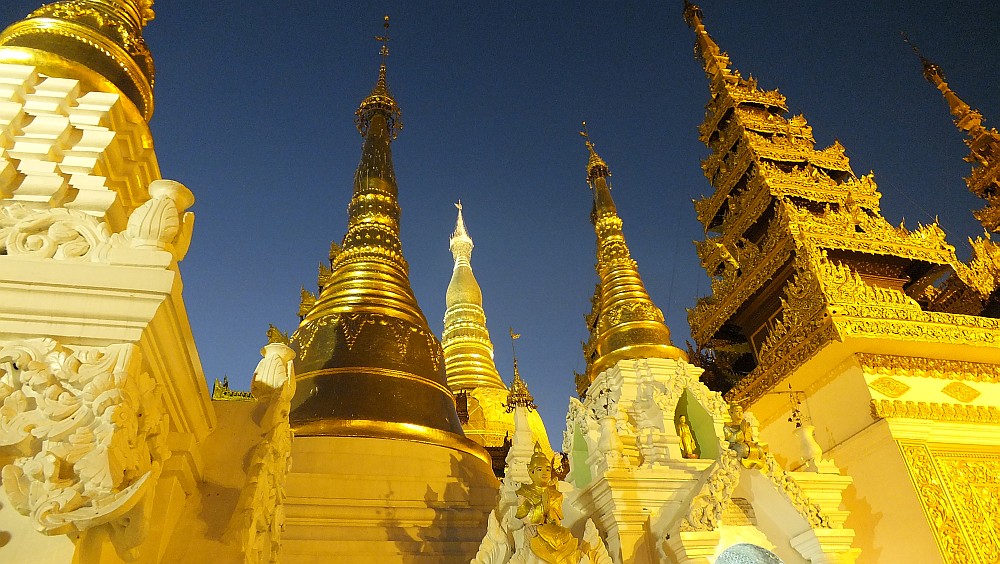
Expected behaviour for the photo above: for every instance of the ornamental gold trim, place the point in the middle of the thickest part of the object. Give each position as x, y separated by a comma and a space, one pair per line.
375, 371
934, 500
957, 490
961, 392
889, 387
792, 353
892, 365
888, 409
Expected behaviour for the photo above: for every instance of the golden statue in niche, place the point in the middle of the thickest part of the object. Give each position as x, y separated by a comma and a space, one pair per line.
688, 445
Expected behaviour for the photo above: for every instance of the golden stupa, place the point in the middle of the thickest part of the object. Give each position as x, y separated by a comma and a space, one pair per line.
98, 43
624, 322
368, 364
468, 357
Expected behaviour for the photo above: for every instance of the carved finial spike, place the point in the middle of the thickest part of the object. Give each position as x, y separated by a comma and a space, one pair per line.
274, 335
692, 14
595, 164
519, 396
384, 40
932, 72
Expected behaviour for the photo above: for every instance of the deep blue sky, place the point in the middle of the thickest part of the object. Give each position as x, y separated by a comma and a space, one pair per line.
254, 113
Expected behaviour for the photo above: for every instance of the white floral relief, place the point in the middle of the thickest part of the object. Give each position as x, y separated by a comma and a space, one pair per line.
57, 233
86, 430
160, 224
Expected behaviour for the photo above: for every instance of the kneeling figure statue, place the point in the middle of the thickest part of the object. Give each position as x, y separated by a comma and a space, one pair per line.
533, 521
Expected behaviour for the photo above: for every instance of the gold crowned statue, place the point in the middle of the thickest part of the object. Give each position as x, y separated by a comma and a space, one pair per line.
540, 509
739, 434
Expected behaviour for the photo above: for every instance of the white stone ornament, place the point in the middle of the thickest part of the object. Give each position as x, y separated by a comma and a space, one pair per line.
162, 222
88, 430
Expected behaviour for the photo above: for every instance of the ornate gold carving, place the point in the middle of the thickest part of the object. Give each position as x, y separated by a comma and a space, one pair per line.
307, 300
889, 387
935, 411
940, 515
275, 335
88, 428
222, 392
519, 396
983, 271
352, 324
872, 234
792, 353
961, 392
324, 276
983, 142
731, 290
929, 367
106, 37
893, 323
957, 490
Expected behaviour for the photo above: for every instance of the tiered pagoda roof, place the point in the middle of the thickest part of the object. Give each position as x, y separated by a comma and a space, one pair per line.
797, 249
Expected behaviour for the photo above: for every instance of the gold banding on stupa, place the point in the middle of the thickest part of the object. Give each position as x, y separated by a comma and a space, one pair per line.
468, 351
627, 323
368, 365
98, 42
468, 357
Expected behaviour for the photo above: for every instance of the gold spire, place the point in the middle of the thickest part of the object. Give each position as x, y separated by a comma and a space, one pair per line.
468, 351
368, 364
519, 396
98, 42
380, 100
983, 142
629, 325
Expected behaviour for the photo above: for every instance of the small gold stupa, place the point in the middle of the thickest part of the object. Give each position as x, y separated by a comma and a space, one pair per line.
624, 322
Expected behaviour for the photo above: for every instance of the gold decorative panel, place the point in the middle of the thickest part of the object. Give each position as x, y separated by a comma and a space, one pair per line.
960, 494
889, 387
961, 392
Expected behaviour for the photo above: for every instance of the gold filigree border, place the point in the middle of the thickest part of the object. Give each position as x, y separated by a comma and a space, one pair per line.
940, 514
959, 495
891, 365
883, 409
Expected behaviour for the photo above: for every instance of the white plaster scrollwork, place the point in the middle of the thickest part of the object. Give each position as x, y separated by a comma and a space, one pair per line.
786, 484
160, 224
496, 546
87, 429
706, 507
57, 233
259, 518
